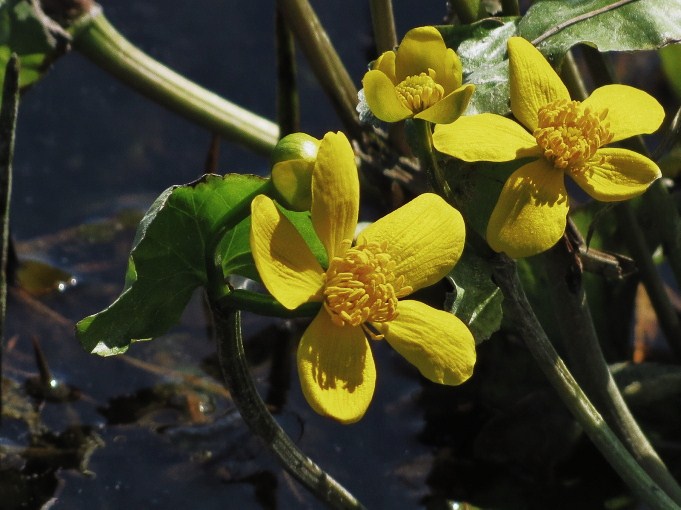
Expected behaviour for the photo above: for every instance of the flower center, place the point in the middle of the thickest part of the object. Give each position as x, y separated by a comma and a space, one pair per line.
570, 134
362, 286
419, 92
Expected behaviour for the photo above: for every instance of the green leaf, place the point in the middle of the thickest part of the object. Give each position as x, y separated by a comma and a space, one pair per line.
476, 300
670, 56
22, 32
481, 47
640, 25
169, 259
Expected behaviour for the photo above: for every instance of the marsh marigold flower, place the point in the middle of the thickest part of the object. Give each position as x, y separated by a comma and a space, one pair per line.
565, 137
361, 291
421, 79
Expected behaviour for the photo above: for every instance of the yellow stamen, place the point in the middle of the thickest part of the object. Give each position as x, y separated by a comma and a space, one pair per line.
570, 134
420, 92
362, 287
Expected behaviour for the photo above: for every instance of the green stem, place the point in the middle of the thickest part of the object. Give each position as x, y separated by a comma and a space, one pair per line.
288, 104
255, 414
422, 141
8, 122
324, 60
98, 40
468, 11
591, 370
528, 327
263, 304
383, 22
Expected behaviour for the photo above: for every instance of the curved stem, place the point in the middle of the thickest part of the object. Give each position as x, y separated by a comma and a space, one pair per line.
590, 367
98, 40
422, 146
527, 325
254, 412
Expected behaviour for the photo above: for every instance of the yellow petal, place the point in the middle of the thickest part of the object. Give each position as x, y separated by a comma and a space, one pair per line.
617, 174
451, 79
485, 137
284, 262
531, 213
449, 108
424, 237
336, 369
421, 49
436, 342
533, 82
335, 193
293, 179
382, 98
631, 111
386, 64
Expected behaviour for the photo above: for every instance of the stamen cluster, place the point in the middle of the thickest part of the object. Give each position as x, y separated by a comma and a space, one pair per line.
362, 287
419, 92
570, 134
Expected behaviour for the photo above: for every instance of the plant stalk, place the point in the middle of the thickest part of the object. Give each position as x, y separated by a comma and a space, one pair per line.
580, 339
528, 327
98, 40
288, 101
383, 22
8, 122
422, 141
255, 414
324, 60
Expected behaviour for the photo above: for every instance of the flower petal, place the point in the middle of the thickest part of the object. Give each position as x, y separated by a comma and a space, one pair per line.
485, 137
382, 99
421, 49
424, 237
386, 63
531, 213
617, 174
449, 108
533, 82
631, 111
335, 193
285, 263
293, 179
451, 79
435, 341
336, 369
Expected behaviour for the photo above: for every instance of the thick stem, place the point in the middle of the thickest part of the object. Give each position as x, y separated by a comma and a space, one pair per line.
98, 40
8, 123
528, 327
468, 11
574, 320
383, 22
255, 414
324, 60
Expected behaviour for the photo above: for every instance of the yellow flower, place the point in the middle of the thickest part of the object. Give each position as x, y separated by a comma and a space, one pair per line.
567, 138
421, 79
411, 248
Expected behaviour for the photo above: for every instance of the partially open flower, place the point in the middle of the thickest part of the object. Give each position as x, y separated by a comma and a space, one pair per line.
292, 161
421, 79
565, 137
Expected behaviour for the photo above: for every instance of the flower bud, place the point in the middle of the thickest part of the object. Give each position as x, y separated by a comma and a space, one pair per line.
293, 159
